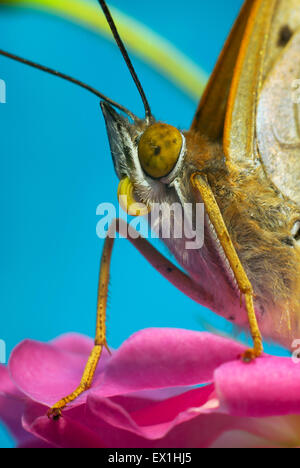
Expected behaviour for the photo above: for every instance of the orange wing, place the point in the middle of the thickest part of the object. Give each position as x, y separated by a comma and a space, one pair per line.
210, 116
262, 124
240, 123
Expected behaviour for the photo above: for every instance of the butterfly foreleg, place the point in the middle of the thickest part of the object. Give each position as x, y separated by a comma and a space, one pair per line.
167, 269
213, 211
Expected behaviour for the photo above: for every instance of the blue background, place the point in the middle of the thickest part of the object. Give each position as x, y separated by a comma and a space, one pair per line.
56, 168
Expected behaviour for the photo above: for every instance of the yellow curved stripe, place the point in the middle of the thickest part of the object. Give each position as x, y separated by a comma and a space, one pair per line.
146, 44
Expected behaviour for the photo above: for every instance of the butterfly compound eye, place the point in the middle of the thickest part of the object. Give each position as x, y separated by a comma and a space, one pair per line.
159, 149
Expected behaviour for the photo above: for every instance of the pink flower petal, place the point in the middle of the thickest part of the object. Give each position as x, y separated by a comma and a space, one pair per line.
11, 405
166, 358
242, 439
280, 431
74, 343
158, 418
193, 402
150, 359
199, 431
142, 395
65, 433
7, 387
47, 372
270, 386
34, 442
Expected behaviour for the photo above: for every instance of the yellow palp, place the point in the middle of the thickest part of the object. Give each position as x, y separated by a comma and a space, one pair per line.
159, 149
128, 201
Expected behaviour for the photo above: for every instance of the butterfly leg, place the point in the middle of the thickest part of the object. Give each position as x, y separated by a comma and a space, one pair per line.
257, 350
201, 185
100, 337
175, 276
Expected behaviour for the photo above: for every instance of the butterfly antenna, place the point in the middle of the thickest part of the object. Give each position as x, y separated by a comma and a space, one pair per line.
69, 78
125, 55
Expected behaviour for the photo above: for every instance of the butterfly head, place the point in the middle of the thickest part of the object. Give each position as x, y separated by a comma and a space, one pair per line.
148, 153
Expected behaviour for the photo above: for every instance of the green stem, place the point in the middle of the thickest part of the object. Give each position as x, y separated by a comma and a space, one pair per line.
146, 44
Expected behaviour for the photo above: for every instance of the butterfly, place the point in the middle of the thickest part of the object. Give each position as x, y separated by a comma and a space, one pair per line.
240, 160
